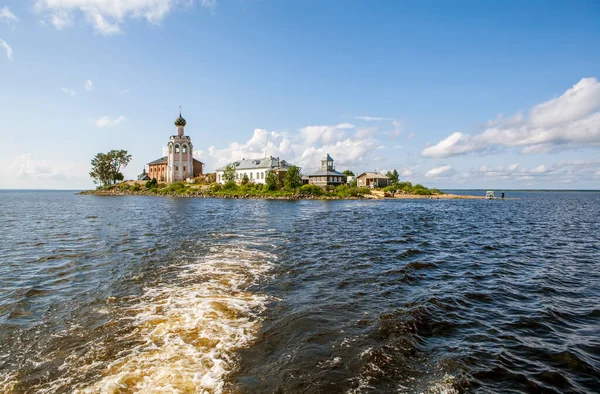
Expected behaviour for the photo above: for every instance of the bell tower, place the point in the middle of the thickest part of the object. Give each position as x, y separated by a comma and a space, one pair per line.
180, 162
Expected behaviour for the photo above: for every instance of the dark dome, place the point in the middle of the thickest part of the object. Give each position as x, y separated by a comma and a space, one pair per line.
179, 121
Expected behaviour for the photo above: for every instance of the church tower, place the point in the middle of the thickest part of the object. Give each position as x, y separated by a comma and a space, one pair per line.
180, 162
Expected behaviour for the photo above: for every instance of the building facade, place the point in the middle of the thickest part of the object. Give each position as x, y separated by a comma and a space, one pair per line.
255, 169
179, 164
372, 180
326, 175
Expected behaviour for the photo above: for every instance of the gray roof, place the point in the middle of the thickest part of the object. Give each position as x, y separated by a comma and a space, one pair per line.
324, 172
328, 158
269, 163
159, 161
373, 175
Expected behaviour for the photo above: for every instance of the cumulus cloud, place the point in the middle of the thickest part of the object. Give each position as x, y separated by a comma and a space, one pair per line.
438, 171
88, 85
304, 147
106, 17
69, 91
7, 48
569, 121
106, 121
26, 167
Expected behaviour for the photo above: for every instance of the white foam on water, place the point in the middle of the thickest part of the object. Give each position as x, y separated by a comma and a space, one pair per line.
190, 329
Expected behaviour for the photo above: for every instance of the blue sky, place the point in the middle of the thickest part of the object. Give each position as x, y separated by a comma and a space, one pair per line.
452, 94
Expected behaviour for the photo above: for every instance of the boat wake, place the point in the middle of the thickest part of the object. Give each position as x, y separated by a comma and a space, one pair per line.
181, 335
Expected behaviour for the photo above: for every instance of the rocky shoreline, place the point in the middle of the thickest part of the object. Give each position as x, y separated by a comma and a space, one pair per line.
201, 194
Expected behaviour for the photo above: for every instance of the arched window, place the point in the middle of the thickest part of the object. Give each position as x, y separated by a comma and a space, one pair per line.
184, 148
176, 148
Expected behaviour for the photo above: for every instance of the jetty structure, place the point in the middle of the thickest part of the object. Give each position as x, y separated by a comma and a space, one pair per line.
255, 169
327, 175
180, 164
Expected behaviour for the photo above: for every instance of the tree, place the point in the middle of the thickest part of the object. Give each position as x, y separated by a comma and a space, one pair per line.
348, 173
394, 176
245, 179
229, 174
271, 181
106, 167
292, 178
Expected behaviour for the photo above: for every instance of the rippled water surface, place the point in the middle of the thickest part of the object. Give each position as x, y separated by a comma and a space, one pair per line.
175, 295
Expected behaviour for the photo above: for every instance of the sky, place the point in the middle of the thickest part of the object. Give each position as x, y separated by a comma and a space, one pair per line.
461, 94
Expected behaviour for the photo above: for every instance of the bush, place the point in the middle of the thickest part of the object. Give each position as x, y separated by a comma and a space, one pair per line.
229, 185
312, 190
217, 187
151, 184
136, 188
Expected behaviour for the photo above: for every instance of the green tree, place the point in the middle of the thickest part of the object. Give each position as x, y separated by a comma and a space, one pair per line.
348, 173
245, 179
271, 181
393, 175
106, 167
229, 174
292, 178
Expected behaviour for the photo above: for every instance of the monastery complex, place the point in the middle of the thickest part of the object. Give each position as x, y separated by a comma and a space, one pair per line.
180, 165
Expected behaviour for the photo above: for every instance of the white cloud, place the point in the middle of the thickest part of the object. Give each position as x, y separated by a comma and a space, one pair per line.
7, 16
8, 49
566, 122
69, 91
25, 167
304, 148
560, 172
106, 16
438, 171
124, 91
88, 85
106, 121
370, 118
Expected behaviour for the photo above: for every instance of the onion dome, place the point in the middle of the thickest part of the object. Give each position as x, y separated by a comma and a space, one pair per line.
180, 122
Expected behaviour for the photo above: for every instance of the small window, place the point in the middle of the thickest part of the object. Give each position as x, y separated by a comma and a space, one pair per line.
251, 175
176, 168
184, 151
177, 148
183, 166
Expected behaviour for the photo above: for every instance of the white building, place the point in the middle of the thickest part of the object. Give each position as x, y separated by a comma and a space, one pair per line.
255, 169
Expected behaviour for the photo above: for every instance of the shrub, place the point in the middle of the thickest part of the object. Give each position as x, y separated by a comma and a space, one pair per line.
217, 187
229, 185
313, 190
136, 188
151, 184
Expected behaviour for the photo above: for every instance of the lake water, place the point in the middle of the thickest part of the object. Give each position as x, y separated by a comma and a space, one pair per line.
177, 295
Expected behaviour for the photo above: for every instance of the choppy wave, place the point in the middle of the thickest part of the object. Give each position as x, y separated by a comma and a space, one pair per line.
181, 335
423, 296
